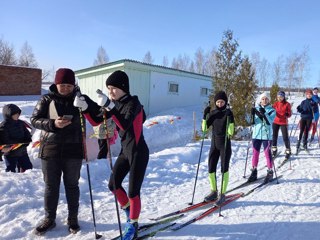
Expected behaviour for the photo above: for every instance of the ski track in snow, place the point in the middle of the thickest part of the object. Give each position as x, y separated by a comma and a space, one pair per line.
288, 210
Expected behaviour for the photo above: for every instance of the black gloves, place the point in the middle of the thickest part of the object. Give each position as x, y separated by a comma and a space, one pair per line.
228, 112
206, 112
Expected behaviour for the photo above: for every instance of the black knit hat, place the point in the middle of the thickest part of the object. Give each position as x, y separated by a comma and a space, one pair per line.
221, 95
119, 79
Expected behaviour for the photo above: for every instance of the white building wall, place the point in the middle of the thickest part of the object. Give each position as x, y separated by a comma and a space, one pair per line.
189, 92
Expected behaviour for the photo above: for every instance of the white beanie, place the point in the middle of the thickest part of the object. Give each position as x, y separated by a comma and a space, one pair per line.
264, 94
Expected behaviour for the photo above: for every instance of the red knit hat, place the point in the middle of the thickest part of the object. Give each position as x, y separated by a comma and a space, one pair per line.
309, 91
65, 76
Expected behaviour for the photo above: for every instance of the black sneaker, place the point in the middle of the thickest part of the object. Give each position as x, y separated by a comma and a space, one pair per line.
254, 175
211, 197
269, 176
220, 200
73, 225
46, 225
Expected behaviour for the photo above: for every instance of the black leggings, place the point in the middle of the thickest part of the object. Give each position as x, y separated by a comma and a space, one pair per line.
285, 135
304, 128
136, 165
217, 150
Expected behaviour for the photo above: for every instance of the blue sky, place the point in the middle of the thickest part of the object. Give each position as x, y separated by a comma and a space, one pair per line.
68, 33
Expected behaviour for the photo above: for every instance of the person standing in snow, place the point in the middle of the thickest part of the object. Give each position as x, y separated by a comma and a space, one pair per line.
283, 112
14, 131
61, 148
262, 119
306, 109
314, 125
222, 121
128, 114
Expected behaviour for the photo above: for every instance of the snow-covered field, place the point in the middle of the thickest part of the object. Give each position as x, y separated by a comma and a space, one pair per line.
288, 210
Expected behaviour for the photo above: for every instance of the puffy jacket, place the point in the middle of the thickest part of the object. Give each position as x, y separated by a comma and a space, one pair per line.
58, 142
261, 129
307, 108
14, 131
283, 112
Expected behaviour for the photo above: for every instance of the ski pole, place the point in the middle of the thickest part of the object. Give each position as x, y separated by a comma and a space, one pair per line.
111, 167
248, 147
97, 236
195, 181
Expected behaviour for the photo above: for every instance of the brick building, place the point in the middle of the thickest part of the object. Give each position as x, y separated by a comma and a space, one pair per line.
16, 80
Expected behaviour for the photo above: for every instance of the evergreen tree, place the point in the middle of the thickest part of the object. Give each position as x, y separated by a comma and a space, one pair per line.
228, 60
243, 95
273, 92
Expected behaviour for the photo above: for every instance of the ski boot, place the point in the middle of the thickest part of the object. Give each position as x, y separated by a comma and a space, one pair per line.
211, 197
288, 154
130, 231
274, 151
254, 175
221, 199
269, 176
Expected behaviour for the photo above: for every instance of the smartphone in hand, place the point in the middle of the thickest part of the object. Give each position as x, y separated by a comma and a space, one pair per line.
67, 117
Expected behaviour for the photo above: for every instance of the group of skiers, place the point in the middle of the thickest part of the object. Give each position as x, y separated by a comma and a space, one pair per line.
61, 114
266, 120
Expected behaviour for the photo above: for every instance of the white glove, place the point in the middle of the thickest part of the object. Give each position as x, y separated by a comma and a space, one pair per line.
104, 101
80, 102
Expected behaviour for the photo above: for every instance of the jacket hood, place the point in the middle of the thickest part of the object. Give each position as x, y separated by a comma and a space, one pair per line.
9, 110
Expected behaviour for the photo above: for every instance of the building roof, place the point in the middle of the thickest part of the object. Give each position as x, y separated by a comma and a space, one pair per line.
122, 61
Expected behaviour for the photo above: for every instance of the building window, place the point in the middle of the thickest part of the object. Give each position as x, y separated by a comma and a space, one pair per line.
204, 91
173, 88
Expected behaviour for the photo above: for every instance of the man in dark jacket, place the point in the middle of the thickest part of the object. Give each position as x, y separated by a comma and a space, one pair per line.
61, 148
16, 137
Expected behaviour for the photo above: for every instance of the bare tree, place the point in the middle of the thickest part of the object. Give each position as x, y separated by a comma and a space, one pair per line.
27, 58
199, 61
255, 59
165, 61
210, 63
264, 72
102, 57
148, 58
7, 54
181, 63
302, 66
278, 70
291, 69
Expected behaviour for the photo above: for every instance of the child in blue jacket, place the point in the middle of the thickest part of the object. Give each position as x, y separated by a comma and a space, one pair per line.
262, 119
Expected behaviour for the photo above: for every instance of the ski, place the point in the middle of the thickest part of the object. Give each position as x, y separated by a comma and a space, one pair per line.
283, 162
192, 207
147, 226
244, 184
259, 186
207, 212
153, 233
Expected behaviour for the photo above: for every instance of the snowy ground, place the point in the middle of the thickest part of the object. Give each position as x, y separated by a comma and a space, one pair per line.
288, 210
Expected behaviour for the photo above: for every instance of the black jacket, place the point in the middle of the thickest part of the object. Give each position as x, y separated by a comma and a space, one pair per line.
14, 131
55, 142
129, 116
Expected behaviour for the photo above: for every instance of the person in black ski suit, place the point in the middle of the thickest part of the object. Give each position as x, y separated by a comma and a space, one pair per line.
14, 131
306, 109
222, 121
61, 148
128, 114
